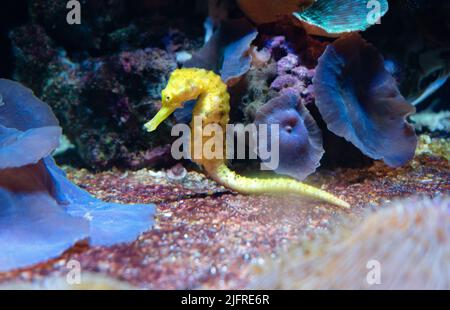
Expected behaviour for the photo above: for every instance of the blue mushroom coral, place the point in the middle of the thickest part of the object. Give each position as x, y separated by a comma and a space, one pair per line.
42, 213
359, 101
300, 139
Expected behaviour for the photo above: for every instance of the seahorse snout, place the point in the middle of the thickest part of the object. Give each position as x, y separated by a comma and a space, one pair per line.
162, 114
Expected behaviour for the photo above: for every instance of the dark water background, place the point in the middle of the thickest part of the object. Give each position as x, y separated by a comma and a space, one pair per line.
12, 14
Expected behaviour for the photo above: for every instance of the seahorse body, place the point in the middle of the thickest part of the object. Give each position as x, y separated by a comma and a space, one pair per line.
213, 107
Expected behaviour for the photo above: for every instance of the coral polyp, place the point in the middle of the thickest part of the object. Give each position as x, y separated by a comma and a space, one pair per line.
300, 139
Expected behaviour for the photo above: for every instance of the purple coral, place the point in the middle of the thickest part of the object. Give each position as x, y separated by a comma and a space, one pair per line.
42, 213
287, 81
359, 100
300, 140
279, 47
287, 63
294, 76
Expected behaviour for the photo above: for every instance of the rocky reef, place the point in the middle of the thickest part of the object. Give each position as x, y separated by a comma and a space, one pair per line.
103, 90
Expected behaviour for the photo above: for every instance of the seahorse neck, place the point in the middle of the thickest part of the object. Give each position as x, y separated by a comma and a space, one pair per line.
211, 93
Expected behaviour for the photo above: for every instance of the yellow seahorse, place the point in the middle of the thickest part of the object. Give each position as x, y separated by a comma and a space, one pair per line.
213, 108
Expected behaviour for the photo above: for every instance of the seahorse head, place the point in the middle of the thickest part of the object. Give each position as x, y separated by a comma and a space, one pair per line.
183, 85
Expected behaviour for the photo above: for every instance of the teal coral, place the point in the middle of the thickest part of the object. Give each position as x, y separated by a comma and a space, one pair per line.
343, 15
